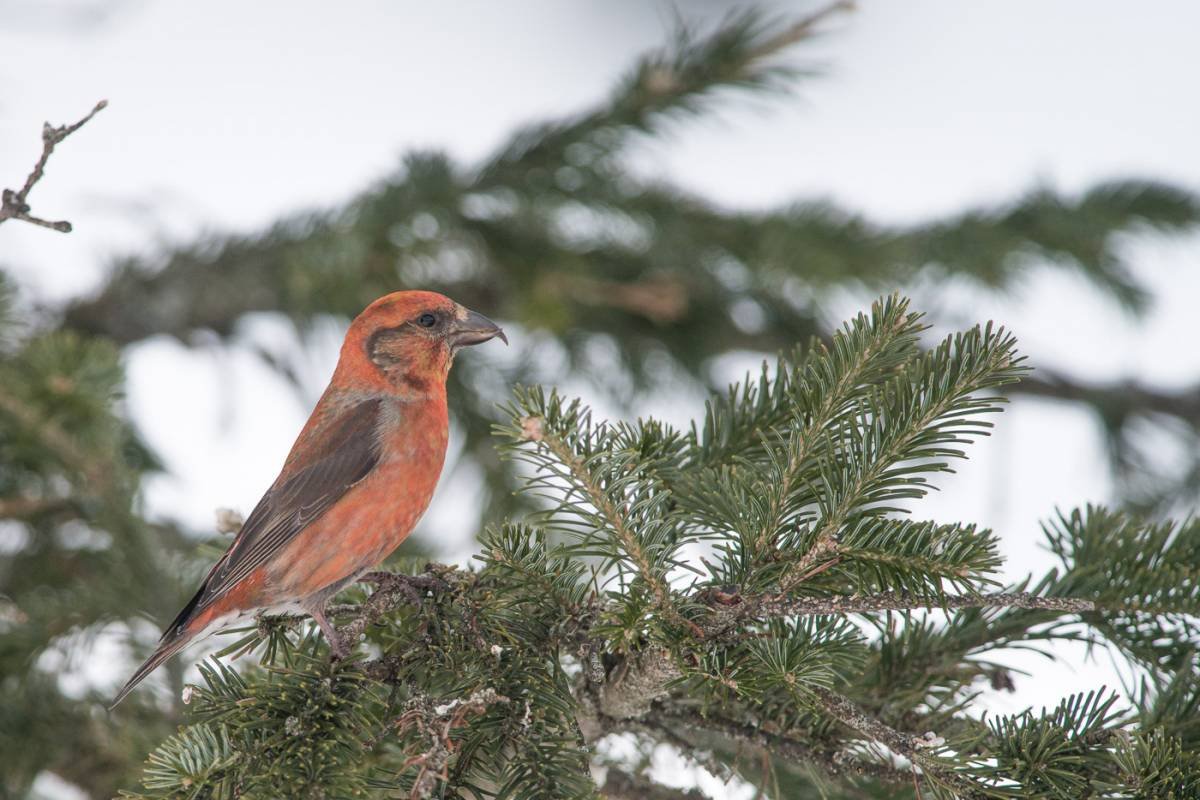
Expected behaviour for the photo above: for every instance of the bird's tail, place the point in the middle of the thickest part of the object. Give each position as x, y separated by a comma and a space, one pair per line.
166, 649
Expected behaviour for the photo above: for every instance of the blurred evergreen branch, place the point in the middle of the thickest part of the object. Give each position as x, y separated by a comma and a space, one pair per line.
77, 558
632, 283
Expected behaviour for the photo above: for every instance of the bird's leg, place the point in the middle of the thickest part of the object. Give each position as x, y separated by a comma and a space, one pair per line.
339, 649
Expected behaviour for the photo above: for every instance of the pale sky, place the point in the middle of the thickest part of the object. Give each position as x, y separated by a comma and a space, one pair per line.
225, 115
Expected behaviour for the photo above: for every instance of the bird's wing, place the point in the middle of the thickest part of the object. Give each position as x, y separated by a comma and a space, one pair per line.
345, 453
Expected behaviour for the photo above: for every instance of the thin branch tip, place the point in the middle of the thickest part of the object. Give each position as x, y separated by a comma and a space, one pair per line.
14, 204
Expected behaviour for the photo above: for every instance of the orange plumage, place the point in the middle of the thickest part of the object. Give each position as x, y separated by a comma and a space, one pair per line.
357, 480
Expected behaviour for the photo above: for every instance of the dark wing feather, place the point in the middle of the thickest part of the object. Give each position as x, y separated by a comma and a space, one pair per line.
350, 451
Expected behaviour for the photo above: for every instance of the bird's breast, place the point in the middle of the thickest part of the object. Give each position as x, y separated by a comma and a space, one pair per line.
377, 513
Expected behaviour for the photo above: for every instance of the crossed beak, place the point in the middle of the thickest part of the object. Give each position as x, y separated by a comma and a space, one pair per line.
474, 328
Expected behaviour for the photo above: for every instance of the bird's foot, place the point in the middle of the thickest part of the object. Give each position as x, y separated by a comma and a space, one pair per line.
410, 587
339, 648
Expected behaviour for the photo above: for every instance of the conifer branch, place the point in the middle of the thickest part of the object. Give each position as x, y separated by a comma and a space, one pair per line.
1116, 399
780, 605
996, 367
63, 445
638, 681
15, 204
608, 510
899, 326
813, 390
536, 430
801, 29
630, 689
670, 82
914, 748
434, 724
833, 763
393, 590
24, 507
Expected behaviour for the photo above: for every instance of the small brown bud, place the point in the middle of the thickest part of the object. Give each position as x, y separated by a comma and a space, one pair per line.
531, 429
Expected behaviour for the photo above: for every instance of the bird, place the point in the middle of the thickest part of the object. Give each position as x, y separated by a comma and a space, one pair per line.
358, 478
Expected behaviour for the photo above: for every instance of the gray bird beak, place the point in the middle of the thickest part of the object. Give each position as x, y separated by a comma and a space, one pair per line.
473, 329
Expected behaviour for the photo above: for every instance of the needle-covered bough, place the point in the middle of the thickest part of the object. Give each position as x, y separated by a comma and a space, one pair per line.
756, 593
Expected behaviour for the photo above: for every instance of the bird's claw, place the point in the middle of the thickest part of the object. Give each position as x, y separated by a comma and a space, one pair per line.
337, 648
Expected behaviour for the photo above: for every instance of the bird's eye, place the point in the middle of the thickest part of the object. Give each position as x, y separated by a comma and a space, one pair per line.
427, 320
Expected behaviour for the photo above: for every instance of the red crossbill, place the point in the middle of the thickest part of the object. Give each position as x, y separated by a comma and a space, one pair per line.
359, 476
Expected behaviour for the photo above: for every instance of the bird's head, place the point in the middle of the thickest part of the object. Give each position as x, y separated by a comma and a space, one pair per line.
408, 339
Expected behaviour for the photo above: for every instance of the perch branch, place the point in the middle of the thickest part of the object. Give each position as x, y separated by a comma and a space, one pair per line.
914, 748
831, 762
624, 695
392, 591
783, 606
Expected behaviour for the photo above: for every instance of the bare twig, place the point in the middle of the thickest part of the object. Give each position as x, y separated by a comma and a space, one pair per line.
15, 204
781, 606
733, 608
